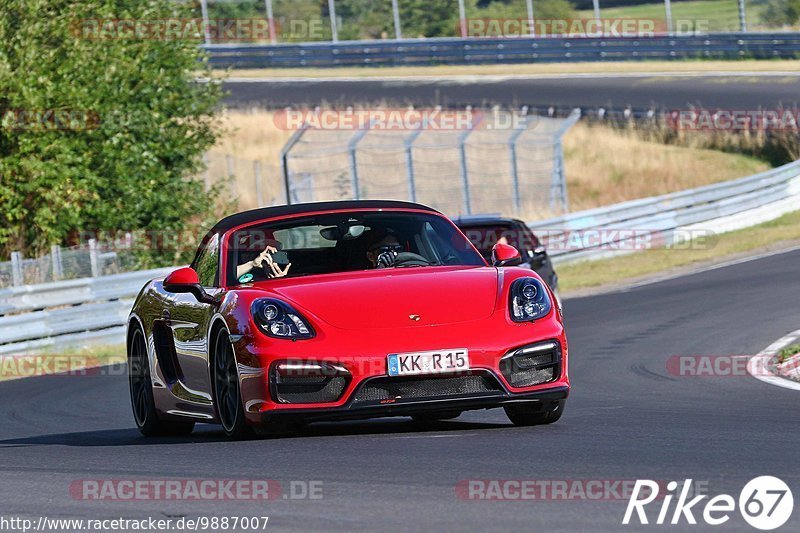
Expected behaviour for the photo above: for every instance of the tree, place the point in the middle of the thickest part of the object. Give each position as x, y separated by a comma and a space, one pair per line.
101, 130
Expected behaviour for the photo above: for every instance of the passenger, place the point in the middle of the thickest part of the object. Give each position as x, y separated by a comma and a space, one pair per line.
265, 262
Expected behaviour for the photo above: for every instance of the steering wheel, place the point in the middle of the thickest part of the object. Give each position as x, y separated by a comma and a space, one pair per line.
410, 259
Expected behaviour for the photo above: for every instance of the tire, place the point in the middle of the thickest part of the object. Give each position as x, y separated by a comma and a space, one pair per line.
425, 418
523, 415
227, 392
141, 389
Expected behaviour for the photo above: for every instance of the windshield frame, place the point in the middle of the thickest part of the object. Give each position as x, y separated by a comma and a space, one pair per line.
228, 257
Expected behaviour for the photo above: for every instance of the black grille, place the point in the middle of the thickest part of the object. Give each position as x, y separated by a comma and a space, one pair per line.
310, 389
416, 388
541, 363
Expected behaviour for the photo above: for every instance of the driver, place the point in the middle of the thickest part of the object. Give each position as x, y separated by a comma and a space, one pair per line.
265, 261
383, 250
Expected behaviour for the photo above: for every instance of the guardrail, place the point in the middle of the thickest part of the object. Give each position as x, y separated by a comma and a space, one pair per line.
675, 217
457, 51
37, 316
94, 310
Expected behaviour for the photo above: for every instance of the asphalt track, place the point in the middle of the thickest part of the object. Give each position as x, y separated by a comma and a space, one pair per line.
713, 91
628, 418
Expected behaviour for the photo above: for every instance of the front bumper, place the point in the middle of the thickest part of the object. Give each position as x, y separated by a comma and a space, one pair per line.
353, 410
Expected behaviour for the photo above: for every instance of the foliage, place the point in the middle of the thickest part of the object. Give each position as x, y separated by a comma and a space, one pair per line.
138, 124
781, 12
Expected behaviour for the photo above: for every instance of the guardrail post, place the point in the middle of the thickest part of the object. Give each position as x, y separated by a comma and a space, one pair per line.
17, 278
462, 18
58, 265
259, 185
94, 262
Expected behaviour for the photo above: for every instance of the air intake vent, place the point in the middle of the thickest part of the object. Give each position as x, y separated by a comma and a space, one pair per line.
532, 365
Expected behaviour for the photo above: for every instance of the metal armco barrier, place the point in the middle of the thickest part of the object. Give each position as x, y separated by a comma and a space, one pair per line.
67, 312
456, 51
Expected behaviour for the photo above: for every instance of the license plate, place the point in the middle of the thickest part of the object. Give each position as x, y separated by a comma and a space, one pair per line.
435, 362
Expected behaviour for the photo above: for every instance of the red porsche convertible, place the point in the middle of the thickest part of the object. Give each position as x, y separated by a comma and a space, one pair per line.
343, 310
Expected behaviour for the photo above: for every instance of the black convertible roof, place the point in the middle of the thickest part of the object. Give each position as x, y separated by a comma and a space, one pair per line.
263, 213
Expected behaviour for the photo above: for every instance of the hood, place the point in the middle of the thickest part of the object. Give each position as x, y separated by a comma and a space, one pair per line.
388, 298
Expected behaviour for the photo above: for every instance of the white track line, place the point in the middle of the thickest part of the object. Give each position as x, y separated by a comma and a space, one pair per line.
758, 365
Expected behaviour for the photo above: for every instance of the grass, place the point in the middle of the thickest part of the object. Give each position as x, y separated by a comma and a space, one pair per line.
705, 15
71, 361
589, 274
788, 352
603, 165
530, 69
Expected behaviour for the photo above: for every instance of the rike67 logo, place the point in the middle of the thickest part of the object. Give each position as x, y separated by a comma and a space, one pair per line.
765, 503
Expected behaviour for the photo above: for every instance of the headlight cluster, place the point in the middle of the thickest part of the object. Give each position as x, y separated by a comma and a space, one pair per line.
280, 320
528, 300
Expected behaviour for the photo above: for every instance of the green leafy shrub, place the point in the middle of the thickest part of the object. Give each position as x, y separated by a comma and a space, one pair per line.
135, 130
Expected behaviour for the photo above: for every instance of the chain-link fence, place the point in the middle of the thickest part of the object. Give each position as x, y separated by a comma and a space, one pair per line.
503, 163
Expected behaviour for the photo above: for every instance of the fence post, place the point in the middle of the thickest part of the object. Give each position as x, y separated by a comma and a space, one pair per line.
668, 14
58, 265
512, 149
271, 21
409, 142
17, 278
742, 16
230, 175
259, 184
531, 20
558, 189
462, 146
206, 29
294, 139
398, 32
352, 147
93, 258
332, 14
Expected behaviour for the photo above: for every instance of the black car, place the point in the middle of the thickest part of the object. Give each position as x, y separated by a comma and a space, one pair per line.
487, 230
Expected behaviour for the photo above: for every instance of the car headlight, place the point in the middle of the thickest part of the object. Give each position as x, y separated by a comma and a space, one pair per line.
529, 300
280, 320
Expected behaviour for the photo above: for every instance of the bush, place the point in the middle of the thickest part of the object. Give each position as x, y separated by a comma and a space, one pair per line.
135, 130
781, 12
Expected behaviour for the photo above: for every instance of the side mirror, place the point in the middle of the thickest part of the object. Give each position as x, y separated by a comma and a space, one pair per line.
185, 280
505, 255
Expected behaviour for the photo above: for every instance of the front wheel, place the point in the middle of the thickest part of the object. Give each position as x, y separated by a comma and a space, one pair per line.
526, 415
227, 391
142, 400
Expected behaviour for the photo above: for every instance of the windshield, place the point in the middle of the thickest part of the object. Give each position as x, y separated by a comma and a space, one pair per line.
344, 242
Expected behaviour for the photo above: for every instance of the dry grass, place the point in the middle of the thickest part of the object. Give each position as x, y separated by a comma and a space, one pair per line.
606, 166
603, 165
687, 66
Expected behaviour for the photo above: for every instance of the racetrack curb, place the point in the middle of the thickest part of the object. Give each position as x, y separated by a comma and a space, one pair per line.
762, 366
